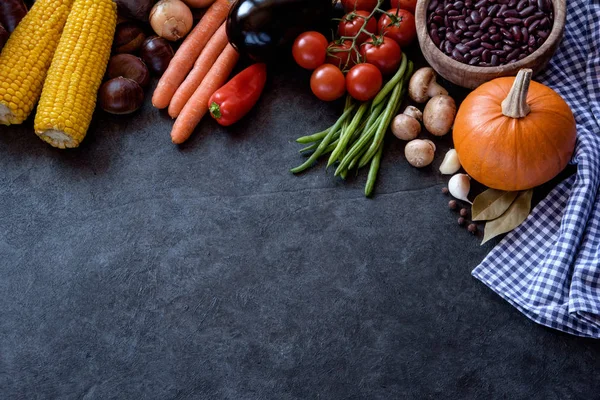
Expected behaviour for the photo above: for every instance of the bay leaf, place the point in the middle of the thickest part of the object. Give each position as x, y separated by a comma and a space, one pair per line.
491, 204
513, 217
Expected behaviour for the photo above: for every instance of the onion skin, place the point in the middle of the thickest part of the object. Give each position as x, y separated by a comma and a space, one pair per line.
11, 13
171, 19
136, 9
128, 38
3, 36
157, 54
130, 67
120, 96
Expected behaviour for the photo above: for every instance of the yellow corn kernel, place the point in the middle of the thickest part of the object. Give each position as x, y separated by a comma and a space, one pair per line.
69, 96
26, 58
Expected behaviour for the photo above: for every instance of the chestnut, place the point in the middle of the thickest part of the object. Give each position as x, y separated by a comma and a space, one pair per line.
137, 9
157, 54
120, 96
128, 66
128, 38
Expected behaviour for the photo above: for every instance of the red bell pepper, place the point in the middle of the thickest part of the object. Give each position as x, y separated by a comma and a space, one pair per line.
234, 100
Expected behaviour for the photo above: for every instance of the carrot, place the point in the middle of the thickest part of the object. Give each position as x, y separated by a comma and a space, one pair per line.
207, 58
188, 52
197, 106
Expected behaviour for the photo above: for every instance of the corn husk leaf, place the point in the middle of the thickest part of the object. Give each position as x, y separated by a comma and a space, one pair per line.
491, 204
512, 217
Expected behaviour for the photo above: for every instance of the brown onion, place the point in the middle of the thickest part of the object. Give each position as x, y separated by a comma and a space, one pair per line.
130, 67
157, 54
121, 96
128, 38
171, 19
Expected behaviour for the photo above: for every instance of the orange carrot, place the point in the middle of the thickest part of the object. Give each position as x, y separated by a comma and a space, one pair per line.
197, 106
188, 52
207, 58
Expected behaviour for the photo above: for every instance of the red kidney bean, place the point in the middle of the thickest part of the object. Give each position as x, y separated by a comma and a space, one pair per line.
474, 28
453, 13
522, 4
527, 11
462, 48
486, 23
477, 52
493, 10
494, 60
435, 37
468, 3
503, 8
510, 13
531, 41
457, 56
478, 34
458, 32
509, 42
469, 20
462, 25
473, 43
468, 34
486, 55
475, 61
530, 20
499, 21
543, 34
451, 36
525, 34
533, 26
483, 12
467, 57
507, 47
456, 17
541, 5
496, 37
493, 29
459, 5
485, 37
448, 47
497, 46
432, 5
513, 54
481, 3
476, 17
545, 23
438, 20
448, 7
513, 3
521, 56
487, 46
516, 32
513, 21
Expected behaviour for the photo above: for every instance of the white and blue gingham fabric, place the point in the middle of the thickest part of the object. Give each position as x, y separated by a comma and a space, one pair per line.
549, 267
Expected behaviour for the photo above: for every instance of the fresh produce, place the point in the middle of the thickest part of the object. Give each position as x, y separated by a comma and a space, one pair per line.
157, 53
407, 126
207, 58
26, 57
398, 25
121, 96
419, 152
340, 54
328, 82
516, 141
356, 139
489, 34
264, 29
136, 9
383, 53
198, 3
363, 5
438, 115
409, 5
357, 24
130, 67
3, 36
171, 19
423, 85
11, 13
188, 53
129, 37
363, 82
234, 100
68, 100
197, 106
451, 163
459, 187
310, 50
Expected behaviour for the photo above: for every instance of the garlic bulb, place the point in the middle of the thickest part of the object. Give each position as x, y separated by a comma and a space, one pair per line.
459, 187
451, 164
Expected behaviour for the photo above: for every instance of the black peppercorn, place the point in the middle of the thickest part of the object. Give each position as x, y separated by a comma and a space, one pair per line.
452, 204
472, 228
461, 221
464, 212
445, 190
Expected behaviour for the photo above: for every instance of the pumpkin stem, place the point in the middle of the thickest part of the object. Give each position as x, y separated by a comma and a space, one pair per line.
515, 105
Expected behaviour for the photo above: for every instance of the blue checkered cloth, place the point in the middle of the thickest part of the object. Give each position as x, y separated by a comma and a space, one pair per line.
549, 267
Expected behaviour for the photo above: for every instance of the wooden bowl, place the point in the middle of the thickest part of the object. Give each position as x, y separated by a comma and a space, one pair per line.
469, 76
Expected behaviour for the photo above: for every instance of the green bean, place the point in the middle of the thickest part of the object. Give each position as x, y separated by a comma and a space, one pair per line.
324, 143
383, 125
313, 138
391, 84
357, 158
373, 170
347, 134
309, 147
356, 147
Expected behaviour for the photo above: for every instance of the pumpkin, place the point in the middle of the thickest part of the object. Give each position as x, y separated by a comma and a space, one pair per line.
514, 134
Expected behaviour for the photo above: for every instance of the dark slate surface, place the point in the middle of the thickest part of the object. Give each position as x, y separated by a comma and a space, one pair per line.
134, 269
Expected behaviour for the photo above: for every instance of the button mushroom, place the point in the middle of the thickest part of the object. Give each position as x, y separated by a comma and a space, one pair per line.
439, 113
419, 153
407, 126
423, 85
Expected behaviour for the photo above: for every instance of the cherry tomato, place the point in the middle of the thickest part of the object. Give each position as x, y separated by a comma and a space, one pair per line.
400, 26
352, 22
340, 58
383, 53
328, 83
310, 49
364, 5
409, 5
364, 81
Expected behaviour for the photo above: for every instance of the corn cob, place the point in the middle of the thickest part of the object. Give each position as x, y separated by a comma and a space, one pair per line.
69, 96
26, 58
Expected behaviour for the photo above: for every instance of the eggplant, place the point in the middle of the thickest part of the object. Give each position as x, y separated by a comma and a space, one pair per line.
11, 13
265, 29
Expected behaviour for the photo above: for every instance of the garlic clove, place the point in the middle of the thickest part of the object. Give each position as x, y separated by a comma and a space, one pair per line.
459, 187
451, 163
